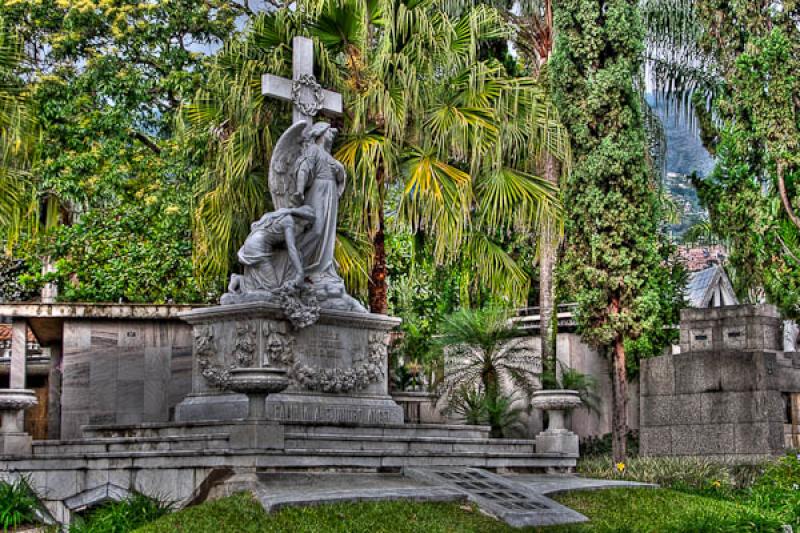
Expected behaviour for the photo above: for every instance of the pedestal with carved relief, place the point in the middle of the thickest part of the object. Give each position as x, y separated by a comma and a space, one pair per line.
336, 368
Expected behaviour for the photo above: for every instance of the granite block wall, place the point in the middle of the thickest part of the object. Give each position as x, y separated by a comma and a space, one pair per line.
722, 395
123, 372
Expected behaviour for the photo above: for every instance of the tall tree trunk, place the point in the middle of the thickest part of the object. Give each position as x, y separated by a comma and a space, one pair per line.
548, 250
619, 385
378, 299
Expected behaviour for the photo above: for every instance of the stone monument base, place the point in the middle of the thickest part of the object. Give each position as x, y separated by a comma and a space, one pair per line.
337, 367
15, 443
557, 441
333, 409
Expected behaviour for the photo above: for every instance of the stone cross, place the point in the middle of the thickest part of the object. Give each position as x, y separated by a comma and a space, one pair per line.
306, 95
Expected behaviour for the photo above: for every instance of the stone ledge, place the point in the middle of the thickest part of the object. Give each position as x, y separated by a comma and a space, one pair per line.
94, 310
272, 311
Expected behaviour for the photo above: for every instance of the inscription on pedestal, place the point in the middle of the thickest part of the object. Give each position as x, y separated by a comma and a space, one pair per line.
336, 414
326, 348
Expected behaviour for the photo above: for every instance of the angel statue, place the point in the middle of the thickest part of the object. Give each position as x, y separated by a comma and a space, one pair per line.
294, 253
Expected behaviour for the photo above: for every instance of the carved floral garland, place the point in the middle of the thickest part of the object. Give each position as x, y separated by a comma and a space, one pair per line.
205, 350
345, 379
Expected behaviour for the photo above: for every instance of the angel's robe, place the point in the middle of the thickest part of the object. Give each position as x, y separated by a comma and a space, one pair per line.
322, 174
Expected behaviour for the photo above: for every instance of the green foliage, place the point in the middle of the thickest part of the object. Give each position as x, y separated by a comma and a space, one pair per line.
709, 477
122, 516
755, 132
470, 404
599, 447
617, 510
586, 385
19, 504
137, 252
612, 248
11, 290
105, 81
430, 123
16, 139
471, 340
477, 407
779, 489
769, 490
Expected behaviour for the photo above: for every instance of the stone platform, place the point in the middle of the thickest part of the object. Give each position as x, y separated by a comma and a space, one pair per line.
184, 462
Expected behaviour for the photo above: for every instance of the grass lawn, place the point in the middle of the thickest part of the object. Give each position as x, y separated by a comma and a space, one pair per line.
644, 510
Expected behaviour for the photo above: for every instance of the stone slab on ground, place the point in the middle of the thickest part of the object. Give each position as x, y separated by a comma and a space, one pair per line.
514, 503
519, 500
277, 490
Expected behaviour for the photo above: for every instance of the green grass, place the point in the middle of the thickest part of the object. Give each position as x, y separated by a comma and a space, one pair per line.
617, 510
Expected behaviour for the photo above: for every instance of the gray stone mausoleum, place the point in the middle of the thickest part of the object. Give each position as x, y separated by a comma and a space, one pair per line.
731, 392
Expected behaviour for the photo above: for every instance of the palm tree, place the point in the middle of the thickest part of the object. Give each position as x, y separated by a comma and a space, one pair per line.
478, 363
425, 118
18, 202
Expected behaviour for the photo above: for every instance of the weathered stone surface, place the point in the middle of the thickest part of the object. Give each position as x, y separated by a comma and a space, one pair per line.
123, 371
332, 408
657, 376
724, 398
337, 367
557, 442
655, 441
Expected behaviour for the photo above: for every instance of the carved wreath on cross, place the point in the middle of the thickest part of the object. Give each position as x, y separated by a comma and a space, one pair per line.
345, 379
307, 81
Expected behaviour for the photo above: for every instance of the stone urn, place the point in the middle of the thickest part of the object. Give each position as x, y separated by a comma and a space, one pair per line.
557, 438
13, 440
257, 383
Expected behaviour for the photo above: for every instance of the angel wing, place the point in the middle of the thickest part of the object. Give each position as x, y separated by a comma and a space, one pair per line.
282, 179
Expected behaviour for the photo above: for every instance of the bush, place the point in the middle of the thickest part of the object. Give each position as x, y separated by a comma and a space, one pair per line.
122, 516
18, 504
593, 447
698, 475
480, 408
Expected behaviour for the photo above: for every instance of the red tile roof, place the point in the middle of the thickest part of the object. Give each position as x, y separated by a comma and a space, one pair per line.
5, 333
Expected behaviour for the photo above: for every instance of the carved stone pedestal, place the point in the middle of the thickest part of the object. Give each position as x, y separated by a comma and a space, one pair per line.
13, 440
556, 439
337, 367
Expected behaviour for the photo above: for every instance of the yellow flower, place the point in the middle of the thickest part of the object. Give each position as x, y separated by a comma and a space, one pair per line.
620, 467
171, 210
150, 200
716, 484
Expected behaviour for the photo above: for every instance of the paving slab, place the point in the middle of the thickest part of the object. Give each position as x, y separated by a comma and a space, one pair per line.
518, 499
277, 490
516, 504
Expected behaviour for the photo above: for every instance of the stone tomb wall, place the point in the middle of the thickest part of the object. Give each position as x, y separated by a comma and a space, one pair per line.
123, 371
722, 395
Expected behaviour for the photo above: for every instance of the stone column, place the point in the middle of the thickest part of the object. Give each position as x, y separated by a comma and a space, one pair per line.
54, 393
19, 353
15, 399
19, 363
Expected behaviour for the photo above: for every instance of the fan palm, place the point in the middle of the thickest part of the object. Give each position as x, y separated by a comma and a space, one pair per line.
473, 340
18, 203
424, 117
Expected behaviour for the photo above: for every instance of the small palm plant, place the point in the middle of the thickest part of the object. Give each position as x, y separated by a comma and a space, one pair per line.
18, 504
475, 360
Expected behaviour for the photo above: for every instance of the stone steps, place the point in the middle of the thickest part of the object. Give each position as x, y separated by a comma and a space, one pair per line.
310, 429
407, 443
405, 430
131, 444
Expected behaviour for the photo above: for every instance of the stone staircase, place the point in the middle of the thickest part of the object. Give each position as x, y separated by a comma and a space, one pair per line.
311, 446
